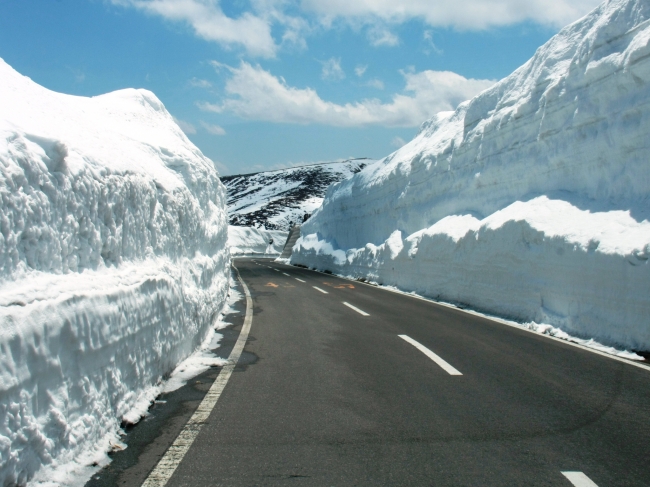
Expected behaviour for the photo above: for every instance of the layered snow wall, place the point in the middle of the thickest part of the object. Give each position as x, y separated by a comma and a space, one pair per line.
113, 265
529, 201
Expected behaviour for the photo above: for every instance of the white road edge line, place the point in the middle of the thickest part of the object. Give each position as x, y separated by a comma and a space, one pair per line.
361, 312
321, 290
286, 274
579, 479
442, 363
174, 455
300, 280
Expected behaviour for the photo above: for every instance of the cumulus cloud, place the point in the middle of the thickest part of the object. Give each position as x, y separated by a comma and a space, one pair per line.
213, 129
249, 31
376, 83
253, 93
186, 127
360, 70
381, 36
468, 14
200, 83
332, 69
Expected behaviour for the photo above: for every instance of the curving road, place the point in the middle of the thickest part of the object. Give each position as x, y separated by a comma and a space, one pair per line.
348, 384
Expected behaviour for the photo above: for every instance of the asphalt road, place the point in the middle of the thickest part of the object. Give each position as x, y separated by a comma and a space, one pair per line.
328, 396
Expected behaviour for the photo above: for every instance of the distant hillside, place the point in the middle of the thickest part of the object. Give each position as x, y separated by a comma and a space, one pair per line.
274, 199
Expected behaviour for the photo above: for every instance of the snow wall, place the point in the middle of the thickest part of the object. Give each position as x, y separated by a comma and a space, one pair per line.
113, 266
253, 241
530, 201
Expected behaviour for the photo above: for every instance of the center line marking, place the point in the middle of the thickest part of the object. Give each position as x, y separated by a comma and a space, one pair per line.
361, 312
444, 365
579, 479
286, 274
319, 289
300, 280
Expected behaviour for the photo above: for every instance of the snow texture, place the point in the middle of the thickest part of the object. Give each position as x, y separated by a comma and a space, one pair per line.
529, 201
113, 267
253, 241
274, 199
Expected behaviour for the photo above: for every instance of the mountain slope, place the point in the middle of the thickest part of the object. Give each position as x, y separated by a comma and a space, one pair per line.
274, 199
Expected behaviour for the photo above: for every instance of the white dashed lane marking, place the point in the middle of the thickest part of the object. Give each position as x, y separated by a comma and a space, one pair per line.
361, 312
300, 280
319, 289
579, 479
443, 364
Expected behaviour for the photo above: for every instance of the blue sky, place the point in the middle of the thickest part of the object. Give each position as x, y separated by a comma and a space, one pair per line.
261, 84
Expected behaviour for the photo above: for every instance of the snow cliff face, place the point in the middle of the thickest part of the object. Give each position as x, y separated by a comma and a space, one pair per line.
113, 264
274, 199
530, 200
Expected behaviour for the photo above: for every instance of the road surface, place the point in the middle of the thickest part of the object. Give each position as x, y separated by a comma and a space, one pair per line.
346, 384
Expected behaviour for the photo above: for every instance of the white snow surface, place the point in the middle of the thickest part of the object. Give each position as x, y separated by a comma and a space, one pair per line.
113, 267
529, 201
255, 241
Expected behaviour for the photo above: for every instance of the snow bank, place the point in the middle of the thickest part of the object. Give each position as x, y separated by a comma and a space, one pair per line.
529, 201
255, 241
113, 266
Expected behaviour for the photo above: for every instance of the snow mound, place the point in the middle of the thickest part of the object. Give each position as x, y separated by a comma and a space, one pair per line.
255, 241
113, 265
530, 200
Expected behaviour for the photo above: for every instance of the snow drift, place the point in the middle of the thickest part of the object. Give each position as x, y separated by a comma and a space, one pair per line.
529, 201
113, 264
255, 241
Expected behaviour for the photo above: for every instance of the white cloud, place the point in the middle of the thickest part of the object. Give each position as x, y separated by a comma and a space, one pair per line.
381, 36
255, 94
428, 38
251, 32
360, 70
376, 83
213, 129
200, 83
186, 127
467, 14
332, 69
397, 141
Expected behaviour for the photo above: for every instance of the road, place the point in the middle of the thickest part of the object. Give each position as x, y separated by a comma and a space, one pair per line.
402, 391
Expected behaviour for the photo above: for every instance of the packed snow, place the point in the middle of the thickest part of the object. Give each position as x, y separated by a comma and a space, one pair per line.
273, 200
529, 201
113, 267
251, 241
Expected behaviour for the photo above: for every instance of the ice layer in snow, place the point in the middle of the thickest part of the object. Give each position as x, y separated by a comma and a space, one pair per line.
255, 241
529, 201
113, 266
